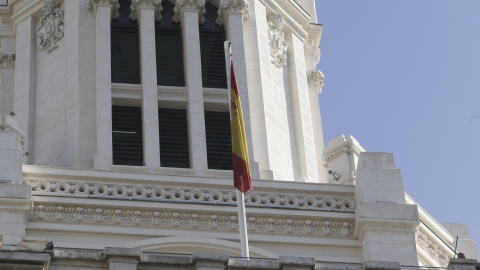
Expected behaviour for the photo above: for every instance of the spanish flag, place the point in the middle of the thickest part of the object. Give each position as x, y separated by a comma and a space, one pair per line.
241, 167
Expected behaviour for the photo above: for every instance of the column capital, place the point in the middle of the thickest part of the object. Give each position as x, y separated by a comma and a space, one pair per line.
7, 60
231, 6
113, 4
137, 5
315, 78
189, 5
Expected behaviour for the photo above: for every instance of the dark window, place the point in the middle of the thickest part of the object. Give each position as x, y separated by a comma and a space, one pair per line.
127, 136
169, 49
174, 150
212, 37
125, 47
219, 145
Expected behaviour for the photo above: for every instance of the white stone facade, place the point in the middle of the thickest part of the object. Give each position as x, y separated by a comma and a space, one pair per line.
58, 180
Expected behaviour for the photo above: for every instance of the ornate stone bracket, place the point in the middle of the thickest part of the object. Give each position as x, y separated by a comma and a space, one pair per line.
190, 5
7, 60
231, 6
137, 5
113, 4
50, 28
278, 44
315, 78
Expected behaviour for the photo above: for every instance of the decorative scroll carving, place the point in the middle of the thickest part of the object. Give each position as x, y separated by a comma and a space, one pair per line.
50, 27
7, 60
116, 216
139, 4
432, 249
278, 44
231, 6
192, 5
305, 202
113, 4
315, 78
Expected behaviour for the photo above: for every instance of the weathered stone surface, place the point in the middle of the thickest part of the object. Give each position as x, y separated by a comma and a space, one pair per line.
15, 191
461, 264
78, 254
123, 252
210, 256
254, 264
30, 243
297, 260
381, 265
165, 259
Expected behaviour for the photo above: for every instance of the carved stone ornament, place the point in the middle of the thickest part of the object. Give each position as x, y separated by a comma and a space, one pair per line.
315, 78
137, 5
50, 27
191, 5
231, 6
278, 44
113, 4
189, 221
432, 248
7, 60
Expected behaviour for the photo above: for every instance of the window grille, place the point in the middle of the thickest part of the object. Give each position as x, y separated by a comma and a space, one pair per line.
219, 142
174, 150
127, 136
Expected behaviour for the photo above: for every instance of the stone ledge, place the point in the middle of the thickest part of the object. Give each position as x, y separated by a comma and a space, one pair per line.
210, 256
462, 264
165, 259
254, 264
134, 253
24, 256
381, 265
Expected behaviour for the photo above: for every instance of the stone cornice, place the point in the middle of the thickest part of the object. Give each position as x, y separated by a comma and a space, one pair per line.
348, 145
189, 5
231, 6
113, 4
315, 78
122, 216
137, 5
7, 60
433, 248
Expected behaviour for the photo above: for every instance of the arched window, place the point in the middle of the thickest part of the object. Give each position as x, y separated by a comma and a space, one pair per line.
125, 47
169, 49
212, 37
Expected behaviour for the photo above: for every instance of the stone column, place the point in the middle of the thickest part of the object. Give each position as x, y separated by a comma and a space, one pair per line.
384, 223
122, 258
24, 96
231, 13
190, 13
104, 12
146, 12
301, 111
210, 260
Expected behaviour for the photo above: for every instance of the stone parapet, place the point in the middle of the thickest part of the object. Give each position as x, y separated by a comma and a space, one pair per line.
462, 264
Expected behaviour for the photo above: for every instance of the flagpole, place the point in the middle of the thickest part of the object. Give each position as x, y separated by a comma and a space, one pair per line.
242, 220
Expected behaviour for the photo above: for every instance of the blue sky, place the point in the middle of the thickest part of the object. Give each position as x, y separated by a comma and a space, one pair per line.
404, 77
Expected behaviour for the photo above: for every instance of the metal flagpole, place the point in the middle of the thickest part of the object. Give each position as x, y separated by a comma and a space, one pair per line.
242, 220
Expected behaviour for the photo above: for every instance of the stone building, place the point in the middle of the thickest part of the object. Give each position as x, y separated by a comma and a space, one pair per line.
115, 145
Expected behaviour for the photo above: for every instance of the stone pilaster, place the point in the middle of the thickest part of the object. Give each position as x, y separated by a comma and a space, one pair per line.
189, 13
7, 65
104, 10
146, 12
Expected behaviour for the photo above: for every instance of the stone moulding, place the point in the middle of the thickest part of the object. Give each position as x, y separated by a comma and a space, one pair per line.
433, 249
278, 44
231, 6
113, 4
116, 216
304, 202
50, 28
137, 5
7, 60
316, 78
191, 5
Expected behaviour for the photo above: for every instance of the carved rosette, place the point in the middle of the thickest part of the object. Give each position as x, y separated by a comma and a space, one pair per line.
231, 6
137, 5
7, 60
315, 78
278, 44
189, 5
113, 4
50, 28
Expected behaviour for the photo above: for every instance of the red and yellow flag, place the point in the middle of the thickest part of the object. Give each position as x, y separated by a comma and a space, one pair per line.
241, 167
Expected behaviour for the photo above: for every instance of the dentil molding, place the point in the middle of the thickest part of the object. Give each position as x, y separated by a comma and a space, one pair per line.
432, 248
7, 60
190, 5
125, 216
112, 4
316, 78
278, 44
231, 6
50, 28
137, 5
